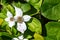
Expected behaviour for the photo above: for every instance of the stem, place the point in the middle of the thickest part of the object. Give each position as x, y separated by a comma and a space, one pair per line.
35, 13
9, 32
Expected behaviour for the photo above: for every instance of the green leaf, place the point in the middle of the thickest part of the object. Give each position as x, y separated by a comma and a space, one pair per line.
1, 21
14, 31
11, 9
35, 3
35, 26
8, 30
53, 31
4, 24
51, 9
35, 6
4, 11
32, 12
17, 4
38, 5
25, 7
29, 36
32, 1
5, 34
0, 38
38, 37
2, 15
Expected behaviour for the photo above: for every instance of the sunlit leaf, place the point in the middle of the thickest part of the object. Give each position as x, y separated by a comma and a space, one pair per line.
11, 9
2, 15
38, 37
34, 25
35, 3
1, 21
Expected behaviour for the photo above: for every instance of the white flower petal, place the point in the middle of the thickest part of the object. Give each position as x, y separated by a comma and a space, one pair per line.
26, 18
21, 27
11, 23
18, 11
21, 37
25, 39
7, 19
15, 39
9, 14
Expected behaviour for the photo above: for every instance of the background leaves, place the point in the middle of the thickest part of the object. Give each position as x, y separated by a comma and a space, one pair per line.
51, 9
53, 31
35, 26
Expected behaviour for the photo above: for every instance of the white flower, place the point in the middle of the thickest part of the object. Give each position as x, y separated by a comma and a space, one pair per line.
21, 26
20, 38
10, 19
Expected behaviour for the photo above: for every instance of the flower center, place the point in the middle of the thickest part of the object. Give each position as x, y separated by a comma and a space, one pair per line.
11, 19
20, 19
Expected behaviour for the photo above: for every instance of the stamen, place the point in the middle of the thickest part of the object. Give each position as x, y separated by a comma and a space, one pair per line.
11, 19
20, 19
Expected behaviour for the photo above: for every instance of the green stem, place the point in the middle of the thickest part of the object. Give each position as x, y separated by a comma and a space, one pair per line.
9, 32
35, 13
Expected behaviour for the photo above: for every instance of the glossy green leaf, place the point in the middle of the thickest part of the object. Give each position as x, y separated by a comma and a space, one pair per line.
51, 9
38, 37
35, 3
35, 26
25, 7
53, 31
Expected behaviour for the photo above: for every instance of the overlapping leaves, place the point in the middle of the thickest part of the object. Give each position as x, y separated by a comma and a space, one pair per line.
51, 9
53, 31
31, 8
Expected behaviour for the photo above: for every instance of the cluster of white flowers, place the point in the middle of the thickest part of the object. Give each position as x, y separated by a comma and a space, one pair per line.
19, 18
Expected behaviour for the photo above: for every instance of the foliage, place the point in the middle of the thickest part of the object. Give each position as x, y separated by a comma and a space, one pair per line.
45, 15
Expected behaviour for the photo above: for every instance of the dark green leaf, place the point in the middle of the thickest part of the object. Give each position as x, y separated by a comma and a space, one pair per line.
53, 31
25, 7
51, 9
14, 31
